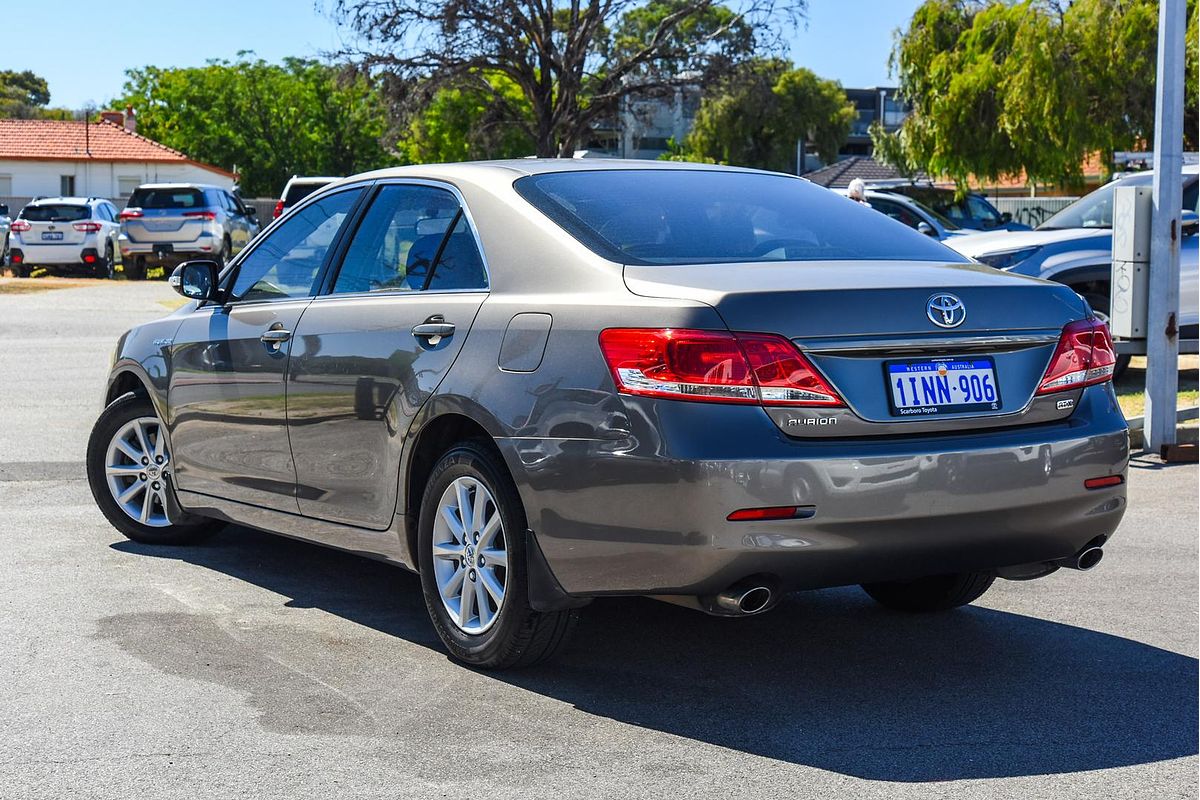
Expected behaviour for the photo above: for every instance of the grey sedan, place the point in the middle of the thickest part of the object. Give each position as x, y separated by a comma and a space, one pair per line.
541, 382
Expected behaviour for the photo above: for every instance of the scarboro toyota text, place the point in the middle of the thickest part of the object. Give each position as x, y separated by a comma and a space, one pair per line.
540, 382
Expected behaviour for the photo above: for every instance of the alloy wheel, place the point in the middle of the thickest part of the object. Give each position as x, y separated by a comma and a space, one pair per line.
470, 556
135, 469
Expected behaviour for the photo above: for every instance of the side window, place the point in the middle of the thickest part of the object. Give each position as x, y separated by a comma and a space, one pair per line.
285, 264
460, 266
398, 240
896, 212
981, 210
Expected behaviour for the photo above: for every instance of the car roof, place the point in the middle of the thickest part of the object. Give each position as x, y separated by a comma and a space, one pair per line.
70, 201
180, 186
519, 167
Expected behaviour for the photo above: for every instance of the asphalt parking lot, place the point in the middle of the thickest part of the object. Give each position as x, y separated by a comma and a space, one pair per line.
254, 666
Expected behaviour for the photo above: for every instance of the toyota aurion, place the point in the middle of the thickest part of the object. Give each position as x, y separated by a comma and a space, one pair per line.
541, 382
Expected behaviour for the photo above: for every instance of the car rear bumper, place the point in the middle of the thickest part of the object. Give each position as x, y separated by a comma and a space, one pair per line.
36, 253
646, 514
205, 245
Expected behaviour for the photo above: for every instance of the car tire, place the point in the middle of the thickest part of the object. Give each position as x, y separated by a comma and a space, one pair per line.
135, 269
104, 269
113, 473
514, 635
935, 593
1100, 304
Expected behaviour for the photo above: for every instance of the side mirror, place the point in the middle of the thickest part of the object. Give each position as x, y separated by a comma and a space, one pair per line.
252, 213
196, 280
3, 210
1006, 217
1189, 222
927, 229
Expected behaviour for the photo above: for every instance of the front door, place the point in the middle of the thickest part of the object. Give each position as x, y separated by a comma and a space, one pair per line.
367, 356
228, 362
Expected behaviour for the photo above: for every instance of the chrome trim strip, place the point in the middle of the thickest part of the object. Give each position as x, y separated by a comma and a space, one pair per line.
918, 344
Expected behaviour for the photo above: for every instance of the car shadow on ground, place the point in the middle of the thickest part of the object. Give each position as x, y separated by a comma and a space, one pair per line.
828, 679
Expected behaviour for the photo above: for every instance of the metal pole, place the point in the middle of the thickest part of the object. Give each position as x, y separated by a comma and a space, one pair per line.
1162, 318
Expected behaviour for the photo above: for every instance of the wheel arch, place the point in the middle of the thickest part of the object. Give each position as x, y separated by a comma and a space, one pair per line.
437, 435
129, 377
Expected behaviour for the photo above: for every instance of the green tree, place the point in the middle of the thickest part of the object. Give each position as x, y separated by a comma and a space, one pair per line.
22, 94
756, 116
463, 124
1001, 89
269, 121
573, 63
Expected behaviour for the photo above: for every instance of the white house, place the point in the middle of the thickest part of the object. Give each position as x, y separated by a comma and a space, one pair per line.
105, 158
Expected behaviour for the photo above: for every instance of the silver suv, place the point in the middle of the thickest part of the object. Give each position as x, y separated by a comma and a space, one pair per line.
165, 223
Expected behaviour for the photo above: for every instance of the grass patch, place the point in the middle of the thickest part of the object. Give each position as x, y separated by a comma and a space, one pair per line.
1131, 387
30, 285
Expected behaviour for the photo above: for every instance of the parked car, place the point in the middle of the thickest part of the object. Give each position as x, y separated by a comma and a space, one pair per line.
65, 233
538, 382
5, 223
913, 213
296, 189
165, 223
1074, 247
971, 211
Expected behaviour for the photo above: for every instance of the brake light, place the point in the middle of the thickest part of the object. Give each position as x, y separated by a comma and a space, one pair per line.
1084, 356
278, 210
86, 227
205, 215
772, 512
20, 226
130, 213
713, 366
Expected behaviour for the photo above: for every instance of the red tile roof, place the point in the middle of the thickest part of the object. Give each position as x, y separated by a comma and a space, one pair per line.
65, 140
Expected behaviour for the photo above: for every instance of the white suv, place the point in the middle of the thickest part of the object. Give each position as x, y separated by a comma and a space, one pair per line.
62, 232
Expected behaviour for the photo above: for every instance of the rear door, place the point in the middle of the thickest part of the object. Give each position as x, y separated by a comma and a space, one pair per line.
228, 362
165, 215
369, 353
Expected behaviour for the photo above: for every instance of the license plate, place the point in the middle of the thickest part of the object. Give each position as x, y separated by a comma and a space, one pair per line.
950, 386
52, 237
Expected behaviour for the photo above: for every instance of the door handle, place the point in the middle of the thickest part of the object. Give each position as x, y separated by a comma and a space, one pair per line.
275, 337
433, 329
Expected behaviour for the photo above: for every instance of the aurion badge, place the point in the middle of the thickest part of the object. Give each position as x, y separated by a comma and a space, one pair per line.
946, 311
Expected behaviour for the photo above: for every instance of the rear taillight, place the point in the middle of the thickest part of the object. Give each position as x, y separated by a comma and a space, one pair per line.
713, 366
1084, 356
205, 215
278, 210
130, 213
19, 225
86, 227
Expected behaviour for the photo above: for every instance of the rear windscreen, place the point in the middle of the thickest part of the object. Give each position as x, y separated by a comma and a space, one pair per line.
167, 198
649, 216
55, 213
298, 191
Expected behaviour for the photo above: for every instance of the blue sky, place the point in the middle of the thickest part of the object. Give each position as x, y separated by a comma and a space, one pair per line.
84, 54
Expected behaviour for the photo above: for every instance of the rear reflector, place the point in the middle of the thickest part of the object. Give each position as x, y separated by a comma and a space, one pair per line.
1084, 356
1104, 483
86, 227
89, 259
772, 512
713, 366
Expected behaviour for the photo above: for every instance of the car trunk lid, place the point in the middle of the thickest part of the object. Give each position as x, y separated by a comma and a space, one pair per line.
855, 320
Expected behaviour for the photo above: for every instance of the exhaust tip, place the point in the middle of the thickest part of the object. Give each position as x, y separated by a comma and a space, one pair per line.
1089, 558
755, 600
